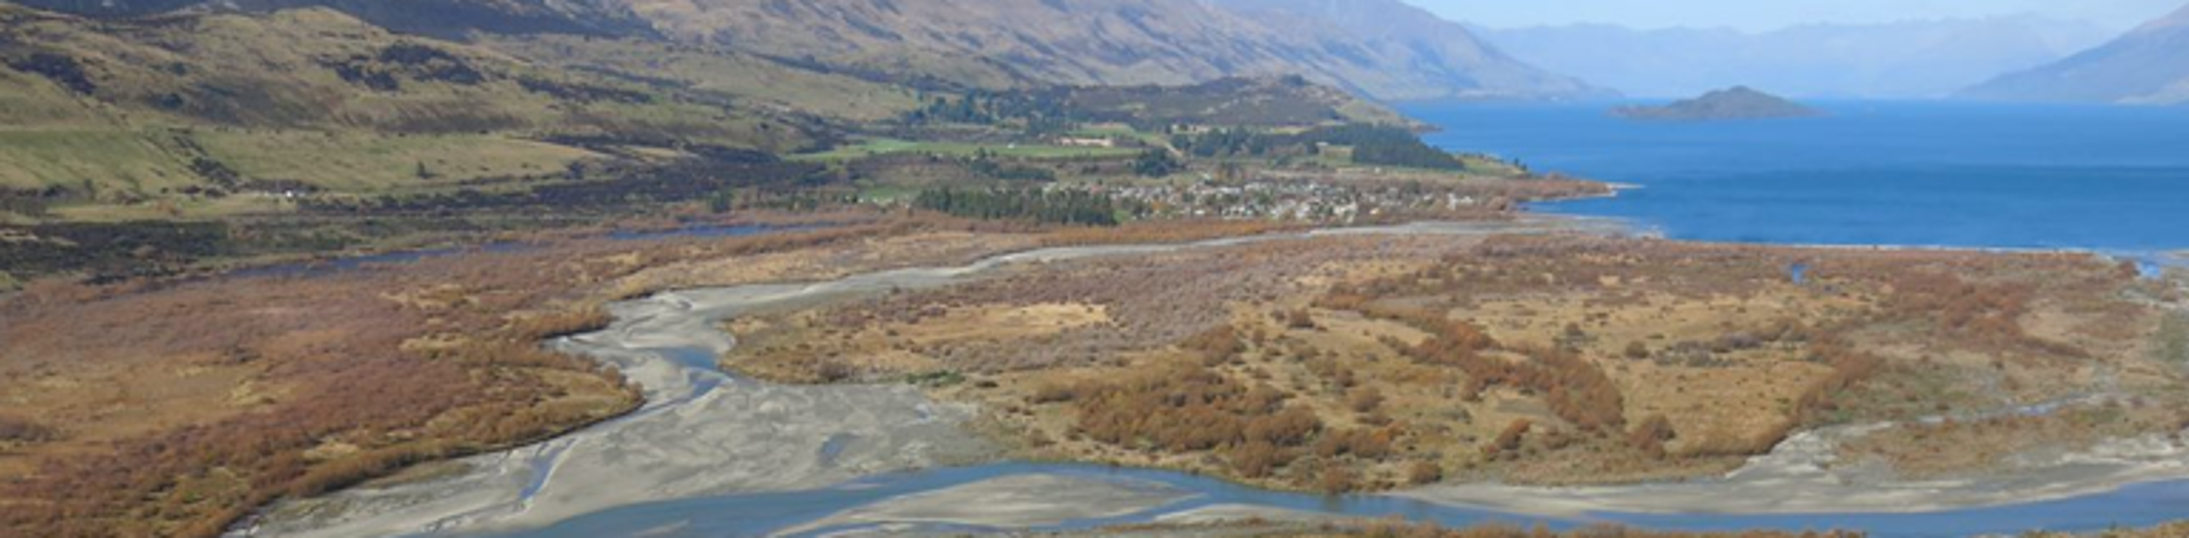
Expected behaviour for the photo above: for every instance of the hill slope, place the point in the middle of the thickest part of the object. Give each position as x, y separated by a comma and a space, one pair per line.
1007, 43
2149, 65
440, 18
122, 109
995, 44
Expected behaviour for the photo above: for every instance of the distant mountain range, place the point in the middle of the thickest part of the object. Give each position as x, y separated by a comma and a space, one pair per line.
2149, 65
1917, 59
1384, 49
1399, 52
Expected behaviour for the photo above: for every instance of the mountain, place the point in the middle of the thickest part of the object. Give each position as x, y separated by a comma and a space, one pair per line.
1001, 43
1400, 52
440, 18
139, 107
1736, 103
997, 44
2149, 65
1915, 59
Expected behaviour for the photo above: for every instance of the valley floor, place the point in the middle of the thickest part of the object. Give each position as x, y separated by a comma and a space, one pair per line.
1034, 348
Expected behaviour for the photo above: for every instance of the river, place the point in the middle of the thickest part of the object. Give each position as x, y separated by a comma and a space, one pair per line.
713, 454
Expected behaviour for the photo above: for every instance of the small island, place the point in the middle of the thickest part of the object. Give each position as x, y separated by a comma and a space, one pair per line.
1736, 103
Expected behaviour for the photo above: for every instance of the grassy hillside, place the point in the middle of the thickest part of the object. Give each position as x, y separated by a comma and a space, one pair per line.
352, 161
444, 18
121, 110
1384, 49
1018, 43
90, 160
290, 126
726, 74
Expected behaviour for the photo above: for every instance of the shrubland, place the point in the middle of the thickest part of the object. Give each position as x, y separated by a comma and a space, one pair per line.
175, 406
1371, 363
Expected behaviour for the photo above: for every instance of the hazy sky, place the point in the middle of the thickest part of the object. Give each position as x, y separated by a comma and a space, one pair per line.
1772, 14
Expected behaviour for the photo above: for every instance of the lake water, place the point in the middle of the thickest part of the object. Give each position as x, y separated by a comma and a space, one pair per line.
2111, 179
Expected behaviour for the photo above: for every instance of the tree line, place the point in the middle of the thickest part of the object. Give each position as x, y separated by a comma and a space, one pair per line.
1056, 206
1372, 144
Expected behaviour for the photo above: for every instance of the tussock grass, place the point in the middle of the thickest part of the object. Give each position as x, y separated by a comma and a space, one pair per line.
363, 162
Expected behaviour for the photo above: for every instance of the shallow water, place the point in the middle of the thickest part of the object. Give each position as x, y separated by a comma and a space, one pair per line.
769, 513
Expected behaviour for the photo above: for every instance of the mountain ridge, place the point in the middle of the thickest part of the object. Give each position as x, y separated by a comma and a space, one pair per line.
1912, 59
1433, 48
994, 44
2147, 65
446, 19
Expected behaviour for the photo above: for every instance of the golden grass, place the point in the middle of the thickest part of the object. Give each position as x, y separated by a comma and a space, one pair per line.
266, 95
369, 162
70, 157
730, 73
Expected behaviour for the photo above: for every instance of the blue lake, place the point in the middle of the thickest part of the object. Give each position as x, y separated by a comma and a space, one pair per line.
1930, 174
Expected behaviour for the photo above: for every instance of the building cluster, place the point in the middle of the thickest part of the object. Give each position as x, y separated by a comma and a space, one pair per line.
1288, 200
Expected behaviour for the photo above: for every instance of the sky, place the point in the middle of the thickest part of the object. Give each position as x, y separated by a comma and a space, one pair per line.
1761, 15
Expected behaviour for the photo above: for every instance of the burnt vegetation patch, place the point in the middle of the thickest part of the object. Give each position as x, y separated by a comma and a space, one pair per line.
59, 68
388, 70
33, 202
582, 92
111, 251
709, 173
